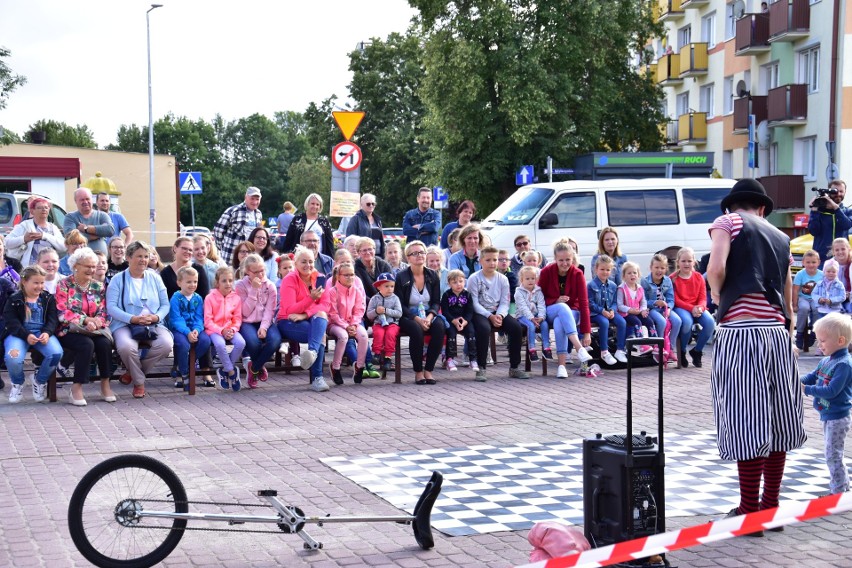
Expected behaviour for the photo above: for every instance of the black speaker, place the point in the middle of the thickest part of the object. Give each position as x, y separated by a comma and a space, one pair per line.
623, 485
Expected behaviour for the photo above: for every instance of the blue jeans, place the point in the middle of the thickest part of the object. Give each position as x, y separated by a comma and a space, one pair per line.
545, 332
182, 346
260, 350
310, 331
660, 323
707, 326
559, 316
352, 352
603, 331
52, 352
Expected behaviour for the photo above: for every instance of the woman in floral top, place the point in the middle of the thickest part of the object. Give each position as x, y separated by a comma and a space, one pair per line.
81, 303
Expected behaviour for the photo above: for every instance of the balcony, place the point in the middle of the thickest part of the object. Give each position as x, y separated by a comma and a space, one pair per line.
668, 69
670, 10
670, 131
752, 34
745, 106
649, 70
689, 4
789, 21
692, 128
787, 105
693, 60
787, 191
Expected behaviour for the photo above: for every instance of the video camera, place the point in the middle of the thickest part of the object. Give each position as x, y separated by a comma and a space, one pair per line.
821, 201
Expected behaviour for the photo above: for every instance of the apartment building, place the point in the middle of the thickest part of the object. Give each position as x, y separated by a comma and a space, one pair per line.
786, 63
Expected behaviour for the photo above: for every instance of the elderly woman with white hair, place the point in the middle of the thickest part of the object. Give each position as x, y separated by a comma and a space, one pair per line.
366, 223
138, 304
84, 325
310, 220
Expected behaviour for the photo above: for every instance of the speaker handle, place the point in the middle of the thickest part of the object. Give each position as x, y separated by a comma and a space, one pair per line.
659, 343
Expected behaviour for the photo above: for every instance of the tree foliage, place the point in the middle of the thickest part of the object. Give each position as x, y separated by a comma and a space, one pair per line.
60, 134
510, 82
8, 80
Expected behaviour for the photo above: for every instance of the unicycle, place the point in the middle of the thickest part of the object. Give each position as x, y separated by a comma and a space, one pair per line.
131, 511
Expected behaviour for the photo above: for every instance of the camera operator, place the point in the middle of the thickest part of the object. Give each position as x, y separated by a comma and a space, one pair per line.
829, 218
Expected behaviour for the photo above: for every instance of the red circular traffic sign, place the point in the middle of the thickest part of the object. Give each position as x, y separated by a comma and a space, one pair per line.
346, 156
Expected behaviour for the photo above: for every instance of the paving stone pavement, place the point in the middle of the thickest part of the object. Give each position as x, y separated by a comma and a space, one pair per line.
224, 446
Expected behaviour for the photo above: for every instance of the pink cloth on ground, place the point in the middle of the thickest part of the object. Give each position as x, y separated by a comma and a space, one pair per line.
553, 540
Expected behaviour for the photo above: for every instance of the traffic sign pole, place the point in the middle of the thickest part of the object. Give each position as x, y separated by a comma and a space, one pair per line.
192, 207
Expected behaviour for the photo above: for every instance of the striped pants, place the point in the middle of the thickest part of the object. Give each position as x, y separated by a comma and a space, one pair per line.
757, 397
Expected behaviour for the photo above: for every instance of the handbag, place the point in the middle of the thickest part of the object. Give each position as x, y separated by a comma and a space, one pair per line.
138, 332
83, 330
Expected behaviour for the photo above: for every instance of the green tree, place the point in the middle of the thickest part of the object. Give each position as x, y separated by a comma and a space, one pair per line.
60, 134
8, 80
386, 80
510, 82
311, 174
320, 130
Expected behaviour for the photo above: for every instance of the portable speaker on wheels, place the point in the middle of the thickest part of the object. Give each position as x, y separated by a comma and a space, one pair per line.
623, 487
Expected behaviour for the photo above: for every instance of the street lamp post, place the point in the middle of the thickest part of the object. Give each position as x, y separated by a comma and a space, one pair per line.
153, 213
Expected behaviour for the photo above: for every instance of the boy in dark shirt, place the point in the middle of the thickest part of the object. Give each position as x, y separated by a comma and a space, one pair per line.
457, 307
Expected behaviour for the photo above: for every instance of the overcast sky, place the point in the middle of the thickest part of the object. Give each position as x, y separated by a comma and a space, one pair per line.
85, 61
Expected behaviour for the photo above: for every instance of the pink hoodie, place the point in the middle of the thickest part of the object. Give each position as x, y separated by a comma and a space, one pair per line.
296, 298
347, 305
553, 540
258, 303
222, 312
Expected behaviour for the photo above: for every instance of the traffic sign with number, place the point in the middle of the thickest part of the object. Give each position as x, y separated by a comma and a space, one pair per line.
346, 156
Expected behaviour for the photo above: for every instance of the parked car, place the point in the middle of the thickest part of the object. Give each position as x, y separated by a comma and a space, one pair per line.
195, 230
394, 234
13, 210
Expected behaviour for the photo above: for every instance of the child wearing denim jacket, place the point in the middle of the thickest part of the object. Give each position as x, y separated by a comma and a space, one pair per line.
831, 386
602, 308
830, 292
186, 322
659, 293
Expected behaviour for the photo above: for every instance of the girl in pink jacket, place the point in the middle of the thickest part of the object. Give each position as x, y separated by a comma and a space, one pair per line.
259, 298
222, 320
348, 303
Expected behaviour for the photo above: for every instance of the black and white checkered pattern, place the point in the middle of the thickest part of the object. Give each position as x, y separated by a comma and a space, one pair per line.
490, 489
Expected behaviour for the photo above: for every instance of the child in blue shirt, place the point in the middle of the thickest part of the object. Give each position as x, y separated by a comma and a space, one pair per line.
831, 386
803, 286
602, 308
186, 322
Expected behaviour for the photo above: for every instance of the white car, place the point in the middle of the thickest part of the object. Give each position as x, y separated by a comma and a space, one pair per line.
194, 230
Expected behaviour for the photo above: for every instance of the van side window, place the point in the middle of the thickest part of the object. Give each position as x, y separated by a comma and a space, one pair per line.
571, 210
6, 210
642, 207
702, 205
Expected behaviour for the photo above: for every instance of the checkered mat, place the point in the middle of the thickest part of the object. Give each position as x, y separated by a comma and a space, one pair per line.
489, 489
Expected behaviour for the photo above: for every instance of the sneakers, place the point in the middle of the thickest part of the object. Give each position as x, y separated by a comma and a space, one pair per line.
583, 355
223, 379
138, 391
236, 383
358, 375
251, 379
736, 513
561, 372
39, 391
64, 372
517, 373
16, 395
474, 366
246, 362
547, 353
490, 360
696, 357
607, 358
370, 372
179, 383
387, 365
480, 376
296, 361
642, 350
336, 377
451, 365
307, 359
502, 338
532, 355
621, 356
318, 384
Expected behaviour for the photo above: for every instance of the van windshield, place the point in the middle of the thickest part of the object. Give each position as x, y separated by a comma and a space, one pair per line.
521, 206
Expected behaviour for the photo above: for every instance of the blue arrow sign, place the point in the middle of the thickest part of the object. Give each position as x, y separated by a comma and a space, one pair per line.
525, 175
190, 183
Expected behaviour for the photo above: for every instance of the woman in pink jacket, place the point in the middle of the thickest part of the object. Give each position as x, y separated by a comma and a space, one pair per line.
259, 298
303, 313
222, 320
345, 320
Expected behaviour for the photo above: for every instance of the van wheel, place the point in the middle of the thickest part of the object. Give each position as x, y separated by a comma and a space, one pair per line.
671, 254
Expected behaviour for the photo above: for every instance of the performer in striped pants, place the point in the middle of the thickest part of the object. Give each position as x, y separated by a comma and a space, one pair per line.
757, 400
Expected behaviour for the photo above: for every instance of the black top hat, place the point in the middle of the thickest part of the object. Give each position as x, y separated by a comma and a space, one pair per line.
748, 190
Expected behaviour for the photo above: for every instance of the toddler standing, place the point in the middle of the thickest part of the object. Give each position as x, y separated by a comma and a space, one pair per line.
831, 386
632, 305
222, 320
186, 322
531, 311
457, 307
384, 310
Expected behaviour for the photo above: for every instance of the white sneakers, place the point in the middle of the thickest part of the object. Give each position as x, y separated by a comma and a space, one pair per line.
621, 356
16, 395
296, 361
307, 359
39, 391
562, 372
607, 358
318, 384
583, 355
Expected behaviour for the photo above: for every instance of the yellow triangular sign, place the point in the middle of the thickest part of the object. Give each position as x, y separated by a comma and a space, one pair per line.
347, 121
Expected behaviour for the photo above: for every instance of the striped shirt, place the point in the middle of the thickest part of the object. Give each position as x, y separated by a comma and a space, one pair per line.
748, 305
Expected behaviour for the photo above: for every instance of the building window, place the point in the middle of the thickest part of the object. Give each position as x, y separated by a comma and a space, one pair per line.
684, 36
708, 30
806, 149
773, 158
682, 104
809, 68
733, 12
706, 99
728, 95
770, 76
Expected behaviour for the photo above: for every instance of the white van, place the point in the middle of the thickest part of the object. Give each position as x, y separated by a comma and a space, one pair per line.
650, 215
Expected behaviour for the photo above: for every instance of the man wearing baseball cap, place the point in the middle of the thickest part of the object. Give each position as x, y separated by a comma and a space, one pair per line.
757, 399
235, 224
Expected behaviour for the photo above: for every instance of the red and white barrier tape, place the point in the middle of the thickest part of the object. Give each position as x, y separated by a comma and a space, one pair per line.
788, 513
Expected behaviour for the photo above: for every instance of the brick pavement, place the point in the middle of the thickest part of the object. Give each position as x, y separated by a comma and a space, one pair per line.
224, 446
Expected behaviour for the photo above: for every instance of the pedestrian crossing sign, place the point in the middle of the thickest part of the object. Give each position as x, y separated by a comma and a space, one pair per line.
190, 183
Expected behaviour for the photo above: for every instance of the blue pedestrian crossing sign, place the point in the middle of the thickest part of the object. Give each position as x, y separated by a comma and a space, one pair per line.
190, 183
525, 175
